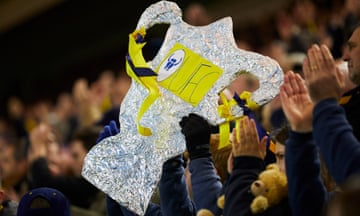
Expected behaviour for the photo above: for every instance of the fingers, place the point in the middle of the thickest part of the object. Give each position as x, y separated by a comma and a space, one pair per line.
253, 133
284, 97
287, 88
294, 83
263, 143
107, 131
248, 143
183, 121
235, 142
230, 162
306, 69
301, 84
248, 132
114, 129
328, 59
340, 76
319, 60
314, 57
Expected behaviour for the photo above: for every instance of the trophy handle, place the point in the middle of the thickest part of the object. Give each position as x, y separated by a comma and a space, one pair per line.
162, 12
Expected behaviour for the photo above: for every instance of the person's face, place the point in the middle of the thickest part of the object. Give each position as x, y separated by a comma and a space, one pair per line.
280, 156
78, 153
352, 56
7, 164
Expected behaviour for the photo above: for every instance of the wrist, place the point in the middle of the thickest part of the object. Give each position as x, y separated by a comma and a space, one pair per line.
301, 128
320, 99
199, 151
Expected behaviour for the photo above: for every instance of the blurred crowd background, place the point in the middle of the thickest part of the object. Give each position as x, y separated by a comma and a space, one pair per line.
54, 104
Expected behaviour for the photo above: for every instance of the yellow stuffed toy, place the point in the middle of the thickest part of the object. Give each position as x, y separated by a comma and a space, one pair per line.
269, 189
205, 212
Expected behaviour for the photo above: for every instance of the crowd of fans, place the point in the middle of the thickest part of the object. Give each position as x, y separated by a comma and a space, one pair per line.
43, 144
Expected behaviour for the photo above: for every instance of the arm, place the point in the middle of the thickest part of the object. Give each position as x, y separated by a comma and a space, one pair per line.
249, 155
206, 185
306, 189
307, 193
335, 138
332, 133
174, 197
237, 191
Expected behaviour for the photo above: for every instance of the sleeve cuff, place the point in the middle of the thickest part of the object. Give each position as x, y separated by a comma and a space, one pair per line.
248, 162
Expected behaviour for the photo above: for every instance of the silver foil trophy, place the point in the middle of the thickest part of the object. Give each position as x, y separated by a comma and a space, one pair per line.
128, 166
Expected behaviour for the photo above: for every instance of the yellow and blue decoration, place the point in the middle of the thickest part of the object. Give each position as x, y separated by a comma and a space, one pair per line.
188, 76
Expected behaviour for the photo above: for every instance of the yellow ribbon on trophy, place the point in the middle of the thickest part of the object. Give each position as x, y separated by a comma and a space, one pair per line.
225, 112
139, 70
252, 105
229, 110
183, 72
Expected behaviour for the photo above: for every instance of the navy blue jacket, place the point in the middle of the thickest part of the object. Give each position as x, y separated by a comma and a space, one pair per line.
335, 138
307, 193
174, 196
206, 185
341, 152
238, 196
350, 101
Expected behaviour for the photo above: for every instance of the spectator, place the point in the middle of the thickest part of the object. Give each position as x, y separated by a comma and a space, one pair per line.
43, 201
13, 166
249, 154
8, 207
50, 166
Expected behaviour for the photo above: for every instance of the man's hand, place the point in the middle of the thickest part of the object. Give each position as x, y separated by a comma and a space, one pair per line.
296, 103
322, 77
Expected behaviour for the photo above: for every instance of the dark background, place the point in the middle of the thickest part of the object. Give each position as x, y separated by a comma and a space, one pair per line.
43, 52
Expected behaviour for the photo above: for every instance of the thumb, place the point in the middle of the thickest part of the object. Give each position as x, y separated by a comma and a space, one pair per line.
340, 78
262, 146
113, 128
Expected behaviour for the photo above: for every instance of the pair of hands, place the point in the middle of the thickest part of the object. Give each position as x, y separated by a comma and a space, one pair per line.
323, 80
44, 144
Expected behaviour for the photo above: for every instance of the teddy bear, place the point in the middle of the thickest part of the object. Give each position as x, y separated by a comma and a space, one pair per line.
205, 212
269, 189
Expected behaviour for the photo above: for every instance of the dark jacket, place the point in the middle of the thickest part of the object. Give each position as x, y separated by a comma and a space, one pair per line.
238, 196
307, 193
350, 101
206, 185
79, 191
334, 136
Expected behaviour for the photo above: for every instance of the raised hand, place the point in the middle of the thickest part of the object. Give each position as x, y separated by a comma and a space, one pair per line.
109, 130
296, 103
197, 132
246, 140
322, 77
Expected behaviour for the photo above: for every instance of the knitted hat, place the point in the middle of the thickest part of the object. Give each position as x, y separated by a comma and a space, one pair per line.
43, 201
